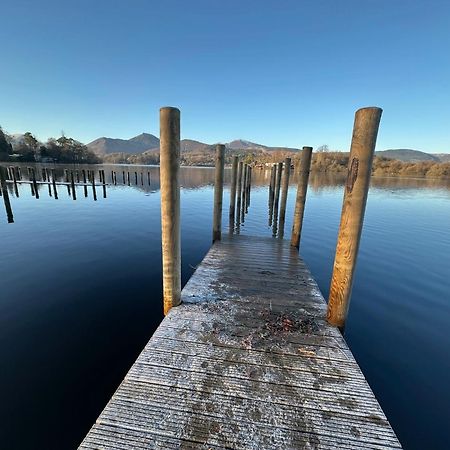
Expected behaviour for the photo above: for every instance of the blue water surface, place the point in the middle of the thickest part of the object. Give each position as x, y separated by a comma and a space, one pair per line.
81, 294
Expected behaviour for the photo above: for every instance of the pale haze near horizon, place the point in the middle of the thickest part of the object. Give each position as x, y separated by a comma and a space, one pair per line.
285, 73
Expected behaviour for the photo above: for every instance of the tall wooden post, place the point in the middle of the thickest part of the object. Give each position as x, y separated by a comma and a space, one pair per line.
234, 169
364, 138
249, 186
55, 191
4, 189
302, 188
244, 193
284, 194
239, 194
272, 192
218, 193
72, 184
279, 171
94, 192
36, 191
170, 205
16, 189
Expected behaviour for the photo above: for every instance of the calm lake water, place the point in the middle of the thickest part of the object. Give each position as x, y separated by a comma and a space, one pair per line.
81, 295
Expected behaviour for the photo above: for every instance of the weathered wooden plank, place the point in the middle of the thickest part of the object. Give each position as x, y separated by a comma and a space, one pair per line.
263, 414
298, 361
248, 361
223, 405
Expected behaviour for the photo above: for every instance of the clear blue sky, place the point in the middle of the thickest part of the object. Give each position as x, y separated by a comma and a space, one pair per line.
275, 72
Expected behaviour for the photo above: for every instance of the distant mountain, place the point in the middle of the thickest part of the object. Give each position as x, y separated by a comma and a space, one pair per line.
189, 145
146, 140
407, 155
443, 157
241, 144
148, 143
137, 144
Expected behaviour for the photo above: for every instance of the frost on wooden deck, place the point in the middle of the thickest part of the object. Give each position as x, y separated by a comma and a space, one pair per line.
247, 361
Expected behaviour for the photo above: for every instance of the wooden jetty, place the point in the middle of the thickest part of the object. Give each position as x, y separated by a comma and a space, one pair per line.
249, 355
247, 360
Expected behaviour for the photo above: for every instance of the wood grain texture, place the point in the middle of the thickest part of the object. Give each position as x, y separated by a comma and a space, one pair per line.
170, 205
247, 361
364, 138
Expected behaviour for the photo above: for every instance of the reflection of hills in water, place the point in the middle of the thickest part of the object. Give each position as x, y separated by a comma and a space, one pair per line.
146, 179
199, 177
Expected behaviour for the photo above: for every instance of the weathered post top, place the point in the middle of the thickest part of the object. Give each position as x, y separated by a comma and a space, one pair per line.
364, 138
170, 205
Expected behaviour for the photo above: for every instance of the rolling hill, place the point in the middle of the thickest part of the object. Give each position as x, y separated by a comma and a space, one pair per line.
137, 144
407, 155
145, 142
149, 144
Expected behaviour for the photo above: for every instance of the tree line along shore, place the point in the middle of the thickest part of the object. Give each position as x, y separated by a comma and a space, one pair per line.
68, 150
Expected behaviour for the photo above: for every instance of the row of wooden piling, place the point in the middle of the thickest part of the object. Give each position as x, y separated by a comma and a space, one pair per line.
72, 178
14, 173
355, 195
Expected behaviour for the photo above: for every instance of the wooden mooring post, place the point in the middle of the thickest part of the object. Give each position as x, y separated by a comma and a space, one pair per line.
14, 177
55, 191
234, 170
239, 194
364, 138
223, 344
302, 188
35, 187
271, 192
248, 189
170, 205
218, 193
94, 192
276, 201
5, 195
284, 195
72, 184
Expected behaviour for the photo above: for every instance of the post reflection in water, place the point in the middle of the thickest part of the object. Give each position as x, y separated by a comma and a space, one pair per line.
242, 188
49, 178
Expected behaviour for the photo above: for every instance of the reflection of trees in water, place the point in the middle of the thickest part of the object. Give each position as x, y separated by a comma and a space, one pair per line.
323, 180
190, 178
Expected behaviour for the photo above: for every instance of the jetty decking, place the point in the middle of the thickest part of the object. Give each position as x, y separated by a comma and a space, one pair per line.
248, 360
